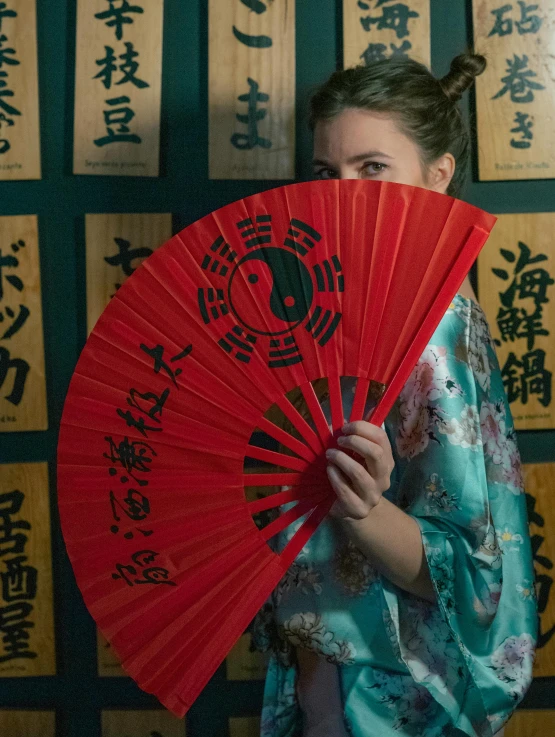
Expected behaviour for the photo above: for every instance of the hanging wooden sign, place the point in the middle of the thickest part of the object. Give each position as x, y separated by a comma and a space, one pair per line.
374, 30
118, 87
244, 727
26, 610
158, 723
531, 723
14, 723
539, 482
19, 94
108, 663
251, 88
116, 246
516, 94
244, 662
516, 287
22, 380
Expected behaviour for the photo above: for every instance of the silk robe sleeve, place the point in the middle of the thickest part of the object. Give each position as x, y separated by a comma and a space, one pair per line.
458, 475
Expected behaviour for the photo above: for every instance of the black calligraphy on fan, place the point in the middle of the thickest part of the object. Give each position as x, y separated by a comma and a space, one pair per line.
282, 284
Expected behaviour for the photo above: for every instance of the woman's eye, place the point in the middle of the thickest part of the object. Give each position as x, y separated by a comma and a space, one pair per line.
373, 167
325, 174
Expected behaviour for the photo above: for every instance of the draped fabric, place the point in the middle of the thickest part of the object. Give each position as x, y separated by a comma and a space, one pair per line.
460, 665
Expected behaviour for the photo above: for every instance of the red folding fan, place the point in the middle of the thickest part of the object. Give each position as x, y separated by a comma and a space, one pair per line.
232, 325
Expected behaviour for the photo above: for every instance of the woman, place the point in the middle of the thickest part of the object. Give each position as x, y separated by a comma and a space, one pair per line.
411, 611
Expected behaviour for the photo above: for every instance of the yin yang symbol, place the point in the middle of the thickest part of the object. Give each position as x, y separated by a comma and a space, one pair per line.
270, 291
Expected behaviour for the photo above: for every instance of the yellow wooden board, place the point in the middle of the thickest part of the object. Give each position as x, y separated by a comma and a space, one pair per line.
539, 482
116, 246
108, 663
516, 287
373, 30
251, 88
22, 380
531, 723
244, 727
244, 663
516, 94
118, 88
25, 572
19, 92
15, 723
157, 723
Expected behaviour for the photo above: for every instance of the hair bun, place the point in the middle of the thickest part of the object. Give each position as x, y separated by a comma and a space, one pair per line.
464, 69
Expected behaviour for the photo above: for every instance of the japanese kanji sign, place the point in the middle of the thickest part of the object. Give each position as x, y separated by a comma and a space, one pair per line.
516, 282
14, 723
22, 381
116, 246
26, 612
118, 87
143, 723
539, 482
251, 89
516, 94
108, 663
531, 723
19, 101
244, 727
244, 662
380, 29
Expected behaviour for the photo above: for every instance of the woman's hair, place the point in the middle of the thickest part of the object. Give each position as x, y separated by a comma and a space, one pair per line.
425, 108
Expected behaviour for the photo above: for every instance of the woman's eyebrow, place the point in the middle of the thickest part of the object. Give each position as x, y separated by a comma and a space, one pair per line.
354, 159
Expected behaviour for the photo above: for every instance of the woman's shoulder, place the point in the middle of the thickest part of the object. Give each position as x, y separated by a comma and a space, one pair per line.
463, 324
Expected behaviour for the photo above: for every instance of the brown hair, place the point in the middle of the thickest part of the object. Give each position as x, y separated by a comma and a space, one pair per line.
425, 108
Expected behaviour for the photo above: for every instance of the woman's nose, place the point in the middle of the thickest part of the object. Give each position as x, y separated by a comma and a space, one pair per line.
348, 173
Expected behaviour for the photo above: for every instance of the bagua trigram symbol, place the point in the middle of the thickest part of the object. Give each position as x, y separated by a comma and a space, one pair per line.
270, 291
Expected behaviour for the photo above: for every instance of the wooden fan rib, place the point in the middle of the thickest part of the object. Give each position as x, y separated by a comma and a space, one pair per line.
473, 245
318, 416
286, 439
336, 402
287, 518
303, 534
275, 458
359, 402
300, 424
283, 497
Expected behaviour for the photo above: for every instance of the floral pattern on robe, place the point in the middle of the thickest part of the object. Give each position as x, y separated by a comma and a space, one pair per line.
460, 665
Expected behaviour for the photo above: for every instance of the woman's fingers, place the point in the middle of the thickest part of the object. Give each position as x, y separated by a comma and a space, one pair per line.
379, 463
361, 482
350, 504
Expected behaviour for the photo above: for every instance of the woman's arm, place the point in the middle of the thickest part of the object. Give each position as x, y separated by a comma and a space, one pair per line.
391, 540
386, 535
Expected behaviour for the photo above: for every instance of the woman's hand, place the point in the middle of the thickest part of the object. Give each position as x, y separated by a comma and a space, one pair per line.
359, 485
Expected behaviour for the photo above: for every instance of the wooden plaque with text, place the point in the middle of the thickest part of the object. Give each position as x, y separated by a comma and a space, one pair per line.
15, 723
373, 31
26, 607
251, 89
146, 723
19, 92
22, 379
516, 288
516, 94
118, 79
116, 246
539, 482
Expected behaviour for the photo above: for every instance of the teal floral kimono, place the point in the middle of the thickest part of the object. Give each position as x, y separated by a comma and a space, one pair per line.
458, 666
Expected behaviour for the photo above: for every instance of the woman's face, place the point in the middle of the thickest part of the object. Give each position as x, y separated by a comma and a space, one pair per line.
359, 144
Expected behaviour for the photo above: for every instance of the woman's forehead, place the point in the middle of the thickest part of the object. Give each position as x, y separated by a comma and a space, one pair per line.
355, 132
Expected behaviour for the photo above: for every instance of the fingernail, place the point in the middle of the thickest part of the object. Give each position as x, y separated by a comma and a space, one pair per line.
341, 440
329, 453
345, 427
